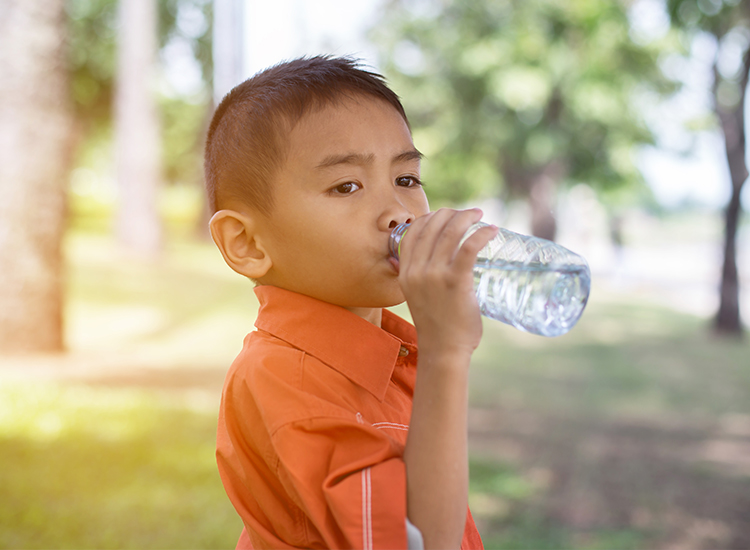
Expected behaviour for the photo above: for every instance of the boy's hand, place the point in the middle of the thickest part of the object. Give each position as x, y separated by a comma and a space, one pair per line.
436, 277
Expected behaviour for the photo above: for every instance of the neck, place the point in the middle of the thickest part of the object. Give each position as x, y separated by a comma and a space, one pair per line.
371, 314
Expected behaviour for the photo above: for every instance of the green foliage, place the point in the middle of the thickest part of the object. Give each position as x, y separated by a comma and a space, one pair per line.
92, 53
93, 66
521, 89
183, 129
191, 21
714, 16
729, 22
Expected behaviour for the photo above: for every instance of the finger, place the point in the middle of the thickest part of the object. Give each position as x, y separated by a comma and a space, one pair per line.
419, 241
454, 230
467, 254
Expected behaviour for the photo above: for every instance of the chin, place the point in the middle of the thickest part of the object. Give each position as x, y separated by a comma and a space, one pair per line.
385, 299
391, 296
395, 302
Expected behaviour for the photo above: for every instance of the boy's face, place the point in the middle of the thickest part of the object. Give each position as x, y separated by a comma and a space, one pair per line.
351, 174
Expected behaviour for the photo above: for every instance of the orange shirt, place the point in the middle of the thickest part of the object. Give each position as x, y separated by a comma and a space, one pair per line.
312, 427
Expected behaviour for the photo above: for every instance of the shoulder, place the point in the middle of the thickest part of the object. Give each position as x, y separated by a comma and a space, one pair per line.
284, 383
267, 368
264, 355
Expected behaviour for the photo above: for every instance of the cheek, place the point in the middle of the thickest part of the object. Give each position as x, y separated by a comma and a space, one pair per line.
420, 209
294, 236
419, 205
312, 249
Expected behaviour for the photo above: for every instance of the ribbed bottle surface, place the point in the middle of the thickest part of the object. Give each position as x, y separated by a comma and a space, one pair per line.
530, 283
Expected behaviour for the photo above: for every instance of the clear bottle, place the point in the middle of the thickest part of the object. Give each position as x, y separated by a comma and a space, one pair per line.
530, 283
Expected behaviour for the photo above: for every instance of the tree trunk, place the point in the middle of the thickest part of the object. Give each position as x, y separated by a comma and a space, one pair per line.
35, 125
728, 319
541, 200
539, 186
228, 46
542, 188
137, 129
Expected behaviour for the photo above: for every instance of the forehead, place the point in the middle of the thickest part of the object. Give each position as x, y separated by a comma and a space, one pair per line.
359, 125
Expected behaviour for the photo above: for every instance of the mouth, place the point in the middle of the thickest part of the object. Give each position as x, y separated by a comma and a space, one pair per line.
394, 264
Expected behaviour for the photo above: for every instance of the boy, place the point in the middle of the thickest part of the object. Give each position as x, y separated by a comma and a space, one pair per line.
327, 437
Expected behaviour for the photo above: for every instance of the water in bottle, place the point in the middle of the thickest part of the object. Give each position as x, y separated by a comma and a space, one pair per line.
530, 283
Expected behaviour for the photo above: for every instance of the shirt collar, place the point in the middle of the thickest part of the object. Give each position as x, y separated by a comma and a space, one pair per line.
359, 350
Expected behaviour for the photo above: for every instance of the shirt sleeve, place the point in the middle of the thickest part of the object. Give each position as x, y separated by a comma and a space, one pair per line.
349, 479
414, 536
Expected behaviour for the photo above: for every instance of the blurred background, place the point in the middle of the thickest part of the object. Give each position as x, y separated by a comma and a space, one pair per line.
615, 127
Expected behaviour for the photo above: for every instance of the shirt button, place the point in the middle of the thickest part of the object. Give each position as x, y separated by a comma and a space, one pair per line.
403, 352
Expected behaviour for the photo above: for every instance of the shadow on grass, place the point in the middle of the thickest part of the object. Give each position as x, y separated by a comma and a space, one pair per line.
577, 482
631, 432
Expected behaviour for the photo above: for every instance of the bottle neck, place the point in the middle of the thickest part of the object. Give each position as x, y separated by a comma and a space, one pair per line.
398, 232
394, 243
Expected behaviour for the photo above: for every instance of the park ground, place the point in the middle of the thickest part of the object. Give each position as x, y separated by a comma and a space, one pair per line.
632, 431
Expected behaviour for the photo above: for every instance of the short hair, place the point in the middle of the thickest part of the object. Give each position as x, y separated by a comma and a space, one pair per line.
246, 143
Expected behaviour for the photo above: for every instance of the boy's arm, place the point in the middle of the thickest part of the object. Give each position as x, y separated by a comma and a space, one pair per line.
437, 280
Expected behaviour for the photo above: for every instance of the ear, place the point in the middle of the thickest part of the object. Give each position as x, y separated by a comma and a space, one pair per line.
235, 235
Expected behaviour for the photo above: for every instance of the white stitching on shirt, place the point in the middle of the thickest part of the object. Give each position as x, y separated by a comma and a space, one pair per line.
367, 543
369, 505
393, 425
366, 510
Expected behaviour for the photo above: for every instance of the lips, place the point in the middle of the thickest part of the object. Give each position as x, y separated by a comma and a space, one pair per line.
394, 263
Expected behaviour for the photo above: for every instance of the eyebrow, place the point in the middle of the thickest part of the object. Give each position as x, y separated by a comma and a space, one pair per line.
363, 159
406, 156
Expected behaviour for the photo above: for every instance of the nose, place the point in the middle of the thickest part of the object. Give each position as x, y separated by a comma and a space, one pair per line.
394, 223
394, 214
394, 206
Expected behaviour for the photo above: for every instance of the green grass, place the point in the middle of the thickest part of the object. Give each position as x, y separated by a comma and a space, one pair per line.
632, 431
622, 358
112, 445
186, 308
91, 467
628, 432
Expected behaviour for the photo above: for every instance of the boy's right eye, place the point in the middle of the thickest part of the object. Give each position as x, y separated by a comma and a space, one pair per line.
345, 188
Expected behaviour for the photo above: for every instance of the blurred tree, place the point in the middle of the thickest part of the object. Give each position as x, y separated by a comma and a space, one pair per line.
519, 96
229, 47
728, 21
137, 131
184, 25
184, 35
92, 62
34, 160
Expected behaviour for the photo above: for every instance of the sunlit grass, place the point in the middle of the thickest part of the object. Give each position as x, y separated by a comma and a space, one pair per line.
622, 358
91, 459
95, 467
185, 308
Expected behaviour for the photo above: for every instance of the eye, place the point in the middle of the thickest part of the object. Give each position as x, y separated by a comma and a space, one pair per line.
408, 181
345, 188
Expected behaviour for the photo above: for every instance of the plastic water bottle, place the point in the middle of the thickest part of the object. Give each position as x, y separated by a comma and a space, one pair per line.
530, 283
